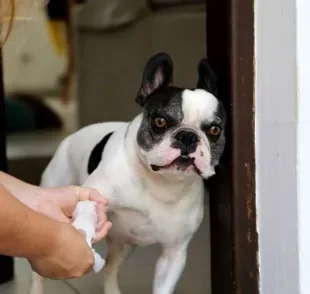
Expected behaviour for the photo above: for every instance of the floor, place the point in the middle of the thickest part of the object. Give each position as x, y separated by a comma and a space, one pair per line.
136, 274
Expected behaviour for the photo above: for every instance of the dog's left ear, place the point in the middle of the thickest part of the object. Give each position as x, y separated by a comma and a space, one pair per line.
157, 73
207, 79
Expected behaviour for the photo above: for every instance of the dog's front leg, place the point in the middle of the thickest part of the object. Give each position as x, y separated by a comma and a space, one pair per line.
169, 268
116, 198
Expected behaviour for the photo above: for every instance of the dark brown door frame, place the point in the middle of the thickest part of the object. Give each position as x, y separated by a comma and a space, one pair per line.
7, 263
234, 241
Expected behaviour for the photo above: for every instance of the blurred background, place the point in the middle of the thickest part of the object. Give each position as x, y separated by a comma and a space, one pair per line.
71, 63
67, 65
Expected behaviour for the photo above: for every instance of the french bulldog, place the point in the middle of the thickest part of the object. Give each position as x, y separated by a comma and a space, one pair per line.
151, 170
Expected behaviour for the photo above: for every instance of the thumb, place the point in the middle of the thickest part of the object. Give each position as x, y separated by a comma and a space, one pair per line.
57, 215
82, 232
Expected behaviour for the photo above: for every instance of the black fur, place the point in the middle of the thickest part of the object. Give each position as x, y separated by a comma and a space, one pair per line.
157, 74
207, 79
167, 103
96, 154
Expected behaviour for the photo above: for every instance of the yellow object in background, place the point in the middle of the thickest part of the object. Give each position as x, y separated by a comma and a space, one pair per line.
57, 32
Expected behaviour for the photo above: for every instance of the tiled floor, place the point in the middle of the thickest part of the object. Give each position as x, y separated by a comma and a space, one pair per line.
136, 274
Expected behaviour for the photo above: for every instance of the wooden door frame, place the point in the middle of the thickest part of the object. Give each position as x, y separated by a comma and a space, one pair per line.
234, 239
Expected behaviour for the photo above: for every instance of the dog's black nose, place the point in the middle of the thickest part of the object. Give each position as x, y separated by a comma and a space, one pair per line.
186, 141
187, 137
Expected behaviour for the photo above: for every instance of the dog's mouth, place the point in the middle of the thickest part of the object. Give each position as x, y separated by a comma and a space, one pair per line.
181, 163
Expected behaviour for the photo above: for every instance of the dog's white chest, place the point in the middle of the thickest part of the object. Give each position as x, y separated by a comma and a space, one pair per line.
168, 223
147, 209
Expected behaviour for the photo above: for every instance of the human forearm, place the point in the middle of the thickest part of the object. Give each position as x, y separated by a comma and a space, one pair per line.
57, 203
24, 192
23, 232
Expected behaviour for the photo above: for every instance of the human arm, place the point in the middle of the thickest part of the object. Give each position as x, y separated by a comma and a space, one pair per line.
57, 203
28, 194
53, 249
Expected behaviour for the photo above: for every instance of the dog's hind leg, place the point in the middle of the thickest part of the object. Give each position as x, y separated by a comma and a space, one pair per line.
37, 286
117, 254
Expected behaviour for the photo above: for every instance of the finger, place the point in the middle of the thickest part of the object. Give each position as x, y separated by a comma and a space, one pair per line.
61, 217
99, 225
56, 215
84, 194
82, 232
103, 232
100, 210
97, 197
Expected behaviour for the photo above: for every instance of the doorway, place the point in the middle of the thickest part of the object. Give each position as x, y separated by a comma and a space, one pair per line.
234, 241
229, 46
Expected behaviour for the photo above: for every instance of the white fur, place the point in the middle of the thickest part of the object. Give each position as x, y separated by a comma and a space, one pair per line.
145, 207
198, 105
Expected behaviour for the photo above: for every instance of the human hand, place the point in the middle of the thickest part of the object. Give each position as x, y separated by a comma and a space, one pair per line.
67, 256
59, 204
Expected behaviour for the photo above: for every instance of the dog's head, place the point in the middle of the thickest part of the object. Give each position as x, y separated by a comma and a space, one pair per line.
182, 130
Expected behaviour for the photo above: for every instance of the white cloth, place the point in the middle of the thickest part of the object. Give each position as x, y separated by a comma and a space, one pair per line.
85, 218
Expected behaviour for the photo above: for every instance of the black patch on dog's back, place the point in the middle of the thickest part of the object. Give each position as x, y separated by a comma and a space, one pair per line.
96, 154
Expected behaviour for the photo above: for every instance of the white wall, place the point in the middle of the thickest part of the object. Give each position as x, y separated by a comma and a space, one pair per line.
303, 137
282, 139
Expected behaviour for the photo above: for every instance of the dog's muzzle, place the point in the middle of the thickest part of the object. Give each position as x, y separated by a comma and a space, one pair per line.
182, 163
186, 141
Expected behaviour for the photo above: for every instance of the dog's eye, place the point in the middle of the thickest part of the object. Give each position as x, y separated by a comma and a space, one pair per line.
214, 131
160, 122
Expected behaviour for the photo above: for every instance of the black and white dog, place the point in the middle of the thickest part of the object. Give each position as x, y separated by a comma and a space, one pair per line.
151, 169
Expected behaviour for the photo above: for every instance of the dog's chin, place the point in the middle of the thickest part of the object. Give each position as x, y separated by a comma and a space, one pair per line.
182, 164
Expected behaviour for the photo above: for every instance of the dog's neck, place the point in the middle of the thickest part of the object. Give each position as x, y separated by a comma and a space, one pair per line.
168, 188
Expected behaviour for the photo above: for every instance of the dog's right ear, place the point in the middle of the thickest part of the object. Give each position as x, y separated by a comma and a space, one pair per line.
207, 79
157, 73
